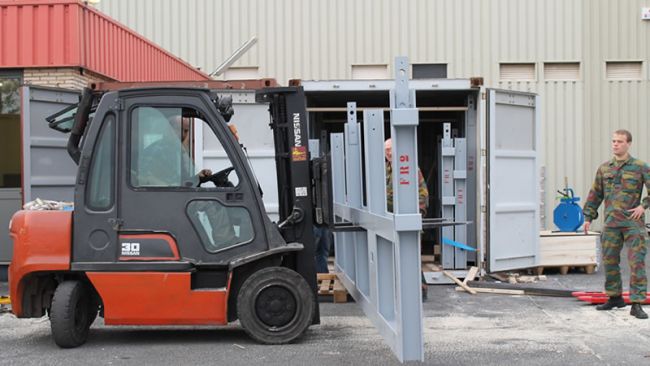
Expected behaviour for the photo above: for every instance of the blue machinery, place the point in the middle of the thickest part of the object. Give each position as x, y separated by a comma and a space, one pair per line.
568, 216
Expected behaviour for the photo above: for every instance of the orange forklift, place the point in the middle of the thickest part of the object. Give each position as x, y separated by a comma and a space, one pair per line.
154, 239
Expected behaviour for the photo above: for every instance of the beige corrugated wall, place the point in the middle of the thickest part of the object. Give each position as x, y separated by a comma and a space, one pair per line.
311, 39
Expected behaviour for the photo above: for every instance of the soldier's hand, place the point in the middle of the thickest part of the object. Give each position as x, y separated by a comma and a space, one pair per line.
204, 173
586, 226
636, 212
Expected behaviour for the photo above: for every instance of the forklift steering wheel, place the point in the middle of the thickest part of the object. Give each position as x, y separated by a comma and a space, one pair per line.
220, 178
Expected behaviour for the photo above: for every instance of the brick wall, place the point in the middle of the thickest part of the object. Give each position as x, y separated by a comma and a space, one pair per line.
67, 77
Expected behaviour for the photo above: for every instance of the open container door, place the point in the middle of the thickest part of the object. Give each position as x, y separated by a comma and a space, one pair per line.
513, 138
47, 169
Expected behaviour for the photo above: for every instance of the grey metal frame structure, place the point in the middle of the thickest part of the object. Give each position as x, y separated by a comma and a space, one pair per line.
453, 187
380, 266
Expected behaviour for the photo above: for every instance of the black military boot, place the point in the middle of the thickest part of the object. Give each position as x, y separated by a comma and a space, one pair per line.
612, 302
638, 312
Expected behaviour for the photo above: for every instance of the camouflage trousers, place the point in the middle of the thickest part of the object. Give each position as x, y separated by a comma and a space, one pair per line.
613, 240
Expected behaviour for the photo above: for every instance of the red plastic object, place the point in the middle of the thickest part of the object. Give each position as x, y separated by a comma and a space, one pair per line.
593, 293
603, 299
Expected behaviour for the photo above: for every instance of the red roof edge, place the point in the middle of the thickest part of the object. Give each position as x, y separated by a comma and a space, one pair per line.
69, 33
143, 39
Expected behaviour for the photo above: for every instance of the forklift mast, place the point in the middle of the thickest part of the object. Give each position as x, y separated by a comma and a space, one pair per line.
294, 176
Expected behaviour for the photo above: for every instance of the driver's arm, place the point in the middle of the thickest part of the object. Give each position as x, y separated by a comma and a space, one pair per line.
204, 174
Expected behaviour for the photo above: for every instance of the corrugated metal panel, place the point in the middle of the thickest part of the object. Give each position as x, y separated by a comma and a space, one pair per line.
316, 40
242, 73
59, 33
369, 72
313, 39
615, 33
42, 34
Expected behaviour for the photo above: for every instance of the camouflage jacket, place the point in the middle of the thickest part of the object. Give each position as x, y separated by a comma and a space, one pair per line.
423, 192
620, 185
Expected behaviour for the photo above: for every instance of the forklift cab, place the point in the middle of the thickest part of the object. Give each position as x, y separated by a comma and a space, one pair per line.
141, 201
140, 196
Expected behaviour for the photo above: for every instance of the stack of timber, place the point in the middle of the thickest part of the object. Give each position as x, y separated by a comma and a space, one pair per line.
568, 250
473, 287
514, 277
330, 286
428, 263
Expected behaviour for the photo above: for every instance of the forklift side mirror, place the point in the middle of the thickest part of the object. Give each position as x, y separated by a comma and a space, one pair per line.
224, 105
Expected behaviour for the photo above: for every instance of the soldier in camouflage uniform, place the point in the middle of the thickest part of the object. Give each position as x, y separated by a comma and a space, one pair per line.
619, 182
423, 194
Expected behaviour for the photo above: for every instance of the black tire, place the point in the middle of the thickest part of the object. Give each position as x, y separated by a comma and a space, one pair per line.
70, 314
93, 311
275, 305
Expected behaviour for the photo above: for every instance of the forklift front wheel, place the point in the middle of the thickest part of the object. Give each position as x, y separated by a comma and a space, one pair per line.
70, 315
275, 305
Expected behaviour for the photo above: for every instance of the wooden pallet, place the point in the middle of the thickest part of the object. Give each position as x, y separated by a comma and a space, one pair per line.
5, 304
587, 268
329, 285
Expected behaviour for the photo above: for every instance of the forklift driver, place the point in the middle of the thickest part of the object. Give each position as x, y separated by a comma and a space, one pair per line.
184, 126
169, 162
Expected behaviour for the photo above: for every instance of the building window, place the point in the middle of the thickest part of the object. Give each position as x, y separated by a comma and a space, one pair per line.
623, 70
242, 73
101, 190
369, 72
517, 71
163, 150
219, 226
562, 71
429, 71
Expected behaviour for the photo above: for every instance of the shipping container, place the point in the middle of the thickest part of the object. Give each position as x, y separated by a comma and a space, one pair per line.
495, 186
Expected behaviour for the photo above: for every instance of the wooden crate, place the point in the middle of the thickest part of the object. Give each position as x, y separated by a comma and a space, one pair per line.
329, 285
558, 249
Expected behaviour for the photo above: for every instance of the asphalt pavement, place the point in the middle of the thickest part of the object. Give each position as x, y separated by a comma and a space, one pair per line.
460, 329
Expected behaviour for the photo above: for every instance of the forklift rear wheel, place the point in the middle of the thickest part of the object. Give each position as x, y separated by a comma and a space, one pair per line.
275, 305
70, 315
93, 311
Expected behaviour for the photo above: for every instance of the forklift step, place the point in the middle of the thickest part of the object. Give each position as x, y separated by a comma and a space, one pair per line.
329, 285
